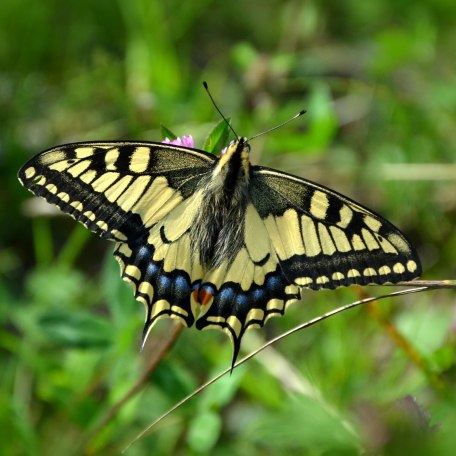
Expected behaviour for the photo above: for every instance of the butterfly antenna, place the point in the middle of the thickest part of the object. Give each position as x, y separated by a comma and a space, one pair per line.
299, 114
218, 110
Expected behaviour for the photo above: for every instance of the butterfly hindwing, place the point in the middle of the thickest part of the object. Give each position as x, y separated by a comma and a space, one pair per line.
163, 267
325, 240
246, 292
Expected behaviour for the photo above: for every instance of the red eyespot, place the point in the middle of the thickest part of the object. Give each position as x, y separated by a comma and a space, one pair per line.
203, 296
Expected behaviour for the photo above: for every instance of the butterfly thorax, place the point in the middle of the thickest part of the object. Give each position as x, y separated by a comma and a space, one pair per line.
217, 232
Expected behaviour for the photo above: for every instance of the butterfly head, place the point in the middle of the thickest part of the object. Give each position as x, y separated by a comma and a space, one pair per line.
231, 171
235, 157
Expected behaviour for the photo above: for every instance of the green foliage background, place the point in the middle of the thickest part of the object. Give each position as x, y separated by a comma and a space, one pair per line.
378, 80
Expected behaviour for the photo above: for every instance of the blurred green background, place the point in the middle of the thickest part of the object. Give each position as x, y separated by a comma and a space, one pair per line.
378, 81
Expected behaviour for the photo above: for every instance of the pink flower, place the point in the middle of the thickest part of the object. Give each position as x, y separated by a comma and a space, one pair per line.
186, 141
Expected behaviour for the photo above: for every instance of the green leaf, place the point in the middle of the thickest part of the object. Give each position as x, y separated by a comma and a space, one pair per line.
218, 137
76, 329
204, 431
166, 133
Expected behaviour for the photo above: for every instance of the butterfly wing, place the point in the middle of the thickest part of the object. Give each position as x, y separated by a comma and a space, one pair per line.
135, 194
325, 240
298, 234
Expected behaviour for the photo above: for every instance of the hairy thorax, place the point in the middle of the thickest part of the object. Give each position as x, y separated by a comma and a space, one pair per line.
218, 230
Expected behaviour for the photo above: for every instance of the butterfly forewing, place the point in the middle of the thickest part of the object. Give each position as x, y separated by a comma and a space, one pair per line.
117, 190
325, 240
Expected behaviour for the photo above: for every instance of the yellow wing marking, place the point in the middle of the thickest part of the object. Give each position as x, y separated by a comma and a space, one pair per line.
398, 268
79, 168
357, 242
369, 272
340, 239
104, 181
52, 188
346, 215
139, 160
133, 193
338, 276
285, 234
304, 281
399, 243
114, 192
319, 204
256, 237
275, 305
326, 242
84, 152
110, 158
88, 176
64, 197
372, 223
310, 237
352, 273
384, 270
52, 157
370, 241
181, 218
158, 201
30, 172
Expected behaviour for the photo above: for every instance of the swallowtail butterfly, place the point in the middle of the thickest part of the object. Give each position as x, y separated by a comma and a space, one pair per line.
216, 241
